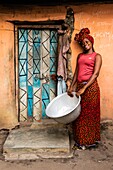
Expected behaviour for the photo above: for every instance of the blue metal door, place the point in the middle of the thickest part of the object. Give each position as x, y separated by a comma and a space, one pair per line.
37, 58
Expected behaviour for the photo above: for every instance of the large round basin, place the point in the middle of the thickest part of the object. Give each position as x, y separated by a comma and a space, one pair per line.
64, 109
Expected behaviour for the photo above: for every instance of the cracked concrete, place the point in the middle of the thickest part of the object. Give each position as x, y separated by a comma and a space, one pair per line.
40, 140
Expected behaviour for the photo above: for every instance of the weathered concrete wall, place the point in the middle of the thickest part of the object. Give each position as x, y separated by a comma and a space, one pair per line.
98, 18
8, 117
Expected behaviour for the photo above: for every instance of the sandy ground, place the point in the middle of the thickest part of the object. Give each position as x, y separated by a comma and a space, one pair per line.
92, 159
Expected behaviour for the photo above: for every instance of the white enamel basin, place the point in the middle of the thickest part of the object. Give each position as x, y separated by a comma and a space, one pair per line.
64, 109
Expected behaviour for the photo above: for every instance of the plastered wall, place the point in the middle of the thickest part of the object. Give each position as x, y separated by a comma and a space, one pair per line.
98, 18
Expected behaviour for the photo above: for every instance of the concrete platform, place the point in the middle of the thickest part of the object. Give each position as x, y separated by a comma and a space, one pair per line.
40, 140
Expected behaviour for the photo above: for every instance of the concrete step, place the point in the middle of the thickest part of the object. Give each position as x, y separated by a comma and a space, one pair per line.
40, 140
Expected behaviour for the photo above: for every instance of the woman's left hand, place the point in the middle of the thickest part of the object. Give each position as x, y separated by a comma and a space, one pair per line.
80, 92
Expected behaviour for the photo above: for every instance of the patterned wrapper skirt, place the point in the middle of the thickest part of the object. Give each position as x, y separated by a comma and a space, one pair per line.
86, 127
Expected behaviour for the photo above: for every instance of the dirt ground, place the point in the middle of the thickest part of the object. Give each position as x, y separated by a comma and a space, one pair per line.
91, 159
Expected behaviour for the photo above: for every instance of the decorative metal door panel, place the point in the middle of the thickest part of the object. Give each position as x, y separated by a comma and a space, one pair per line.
37, 58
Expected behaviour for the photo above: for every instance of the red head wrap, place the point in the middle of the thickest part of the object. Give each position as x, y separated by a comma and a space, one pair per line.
84, 33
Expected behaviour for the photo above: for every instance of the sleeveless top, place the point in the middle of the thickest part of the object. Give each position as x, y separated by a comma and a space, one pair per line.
86, 64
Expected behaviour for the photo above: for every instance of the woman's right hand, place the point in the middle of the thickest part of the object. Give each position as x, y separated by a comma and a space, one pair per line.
69, 92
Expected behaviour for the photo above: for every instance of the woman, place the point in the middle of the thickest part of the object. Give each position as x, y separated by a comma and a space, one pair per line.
86, 127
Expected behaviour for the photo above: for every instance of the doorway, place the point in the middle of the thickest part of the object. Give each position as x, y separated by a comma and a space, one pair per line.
37, 51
